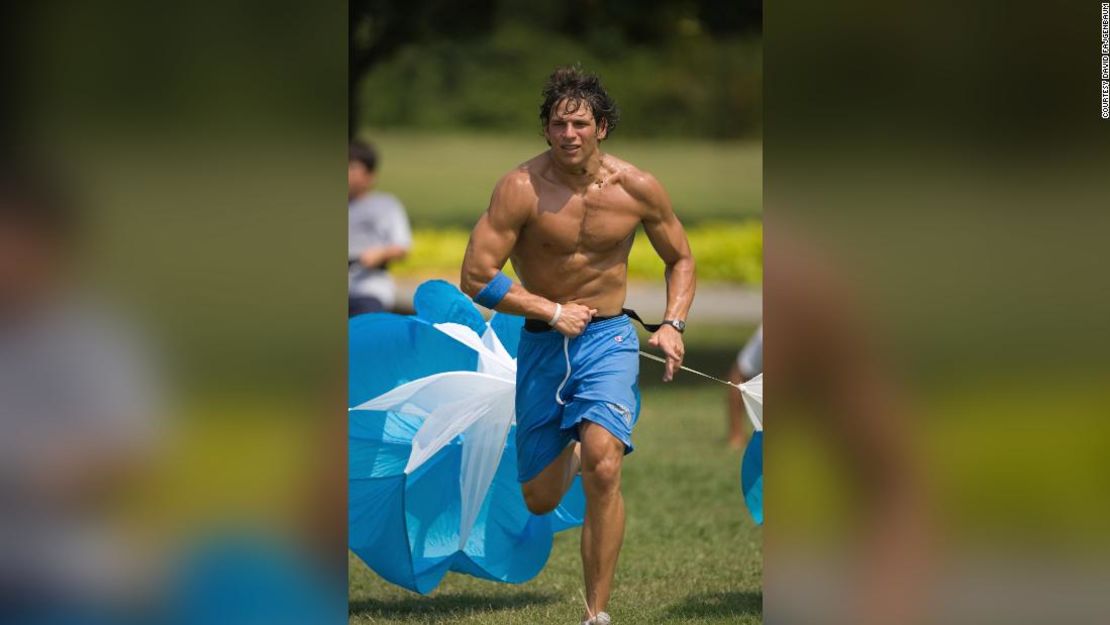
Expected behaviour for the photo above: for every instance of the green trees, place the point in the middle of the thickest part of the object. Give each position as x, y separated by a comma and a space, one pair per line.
677, 69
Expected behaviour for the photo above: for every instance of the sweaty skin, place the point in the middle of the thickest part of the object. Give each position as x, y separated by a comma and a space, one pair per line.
566, 219
575, 246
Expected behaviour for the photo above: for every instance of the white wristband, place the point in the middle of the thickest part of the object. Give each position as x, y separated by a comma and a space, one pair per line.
555, 317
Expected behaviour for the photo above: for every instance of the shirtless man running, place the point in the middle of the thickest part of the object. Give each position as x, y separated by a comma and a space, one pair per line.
567, 219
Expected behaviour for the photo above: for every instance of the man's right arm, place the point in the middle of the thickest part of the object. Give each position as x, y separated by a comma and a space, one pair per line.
492, 241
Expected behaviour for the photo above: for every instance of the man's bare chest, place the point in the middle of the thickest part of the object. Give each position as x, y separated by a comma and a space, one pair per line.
594, 222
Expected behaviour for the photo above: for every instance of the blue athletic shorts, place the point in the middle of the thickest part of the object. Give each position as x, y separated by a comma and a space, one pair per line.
561, 382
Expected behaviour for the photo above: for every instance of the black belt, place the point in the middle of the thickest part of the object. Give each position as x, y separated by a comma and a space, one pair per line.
536, 325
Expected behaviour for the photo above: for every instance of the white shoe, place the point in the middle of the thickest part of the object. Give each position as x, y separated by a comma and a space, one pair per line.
602, 618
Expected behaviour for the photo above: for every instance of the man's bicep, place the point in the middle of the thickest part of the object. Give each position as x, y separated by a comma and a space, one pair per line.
495, 234
490, 244
668, 237
662, 227
668, 240
486, 253
498, 229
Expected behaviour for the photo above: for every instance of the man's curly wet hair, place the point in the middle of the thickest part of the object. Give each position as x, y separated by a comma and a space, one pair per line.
579, 87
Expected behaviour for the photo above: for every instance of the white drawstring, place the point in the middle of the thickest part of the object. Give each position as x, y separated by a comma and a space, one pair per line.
566, 352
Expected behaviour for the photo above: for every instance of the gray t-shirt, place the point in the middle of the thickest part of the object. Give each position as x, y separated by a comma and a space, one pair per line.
750, 359
374, 220
80, 391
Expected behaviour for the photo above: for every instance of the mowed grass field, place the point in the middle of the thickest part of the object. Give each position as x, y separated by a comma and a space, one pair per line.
446, 179
691, 553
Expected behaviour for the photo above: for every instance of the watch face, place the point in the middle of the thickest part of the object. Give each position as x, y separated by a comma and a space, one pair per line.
679, 324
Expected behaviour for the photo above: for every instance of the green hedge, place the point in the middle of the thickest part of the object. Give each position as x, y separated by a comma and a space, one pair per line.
692, 87
724, 251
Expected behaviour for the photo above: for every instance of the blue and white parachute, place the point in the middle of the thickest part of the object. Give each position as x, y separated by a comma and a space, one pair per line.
432, 459
751, 468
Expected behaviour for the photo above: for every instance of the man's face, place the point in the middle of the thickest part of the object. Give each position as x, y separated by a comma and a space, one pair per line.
359, 179
572, 132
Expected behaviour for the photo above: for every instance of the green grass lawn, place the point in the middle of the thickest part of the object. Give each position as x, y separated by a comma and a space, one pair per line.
446, 179
691, 553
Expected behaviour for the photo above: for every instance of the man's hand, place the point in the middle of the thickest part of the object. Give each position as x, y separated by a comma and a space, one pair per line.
669, 340
572, 321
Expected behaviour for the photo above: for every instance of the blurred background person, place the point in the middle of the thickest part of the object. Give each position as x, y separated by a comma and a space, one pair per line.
90, 463
378, 233
748, 364
839, 404
78, 410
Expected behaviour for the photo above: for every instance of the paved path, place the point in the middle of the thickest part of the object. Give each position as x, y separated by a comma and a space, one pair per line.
713, 304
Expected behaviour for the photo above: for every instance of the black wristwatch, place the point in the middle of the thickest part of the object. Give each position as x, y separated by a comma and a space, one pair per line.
677, 324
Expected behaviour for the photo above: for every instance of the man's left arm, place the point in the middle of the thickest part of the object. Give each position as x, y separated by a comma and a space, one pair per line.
667, 236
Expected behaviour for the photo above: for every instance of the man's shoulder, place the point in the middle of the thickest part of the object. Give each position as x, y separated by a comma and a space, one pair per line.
517, 177
524, 172
519, 182
639, 183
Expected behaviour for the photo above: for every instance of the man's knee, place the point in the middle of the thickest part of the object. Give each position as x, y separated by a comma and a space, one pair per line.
539, 500
602, 472
602, 454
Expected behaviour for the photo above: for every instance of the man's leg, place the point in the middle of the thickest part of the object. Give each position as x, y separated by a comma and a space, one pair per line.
737, 435
603, 529
543, 493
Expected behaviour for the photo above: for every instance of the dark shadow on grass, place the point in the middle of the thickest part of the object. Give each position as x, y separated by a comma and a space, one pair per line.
714, 604
445, 605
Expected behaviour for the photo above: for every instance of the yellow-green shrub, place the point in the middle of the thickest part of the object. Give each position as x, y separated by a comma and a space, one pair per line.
724, 251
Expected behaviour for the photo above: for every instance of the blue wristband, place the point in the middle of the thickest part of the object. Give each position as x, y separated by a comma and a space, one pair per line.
495, 291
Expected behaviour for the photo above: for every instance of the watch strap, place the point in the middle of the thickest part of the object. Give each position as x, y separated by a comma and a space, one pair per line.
676, 324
